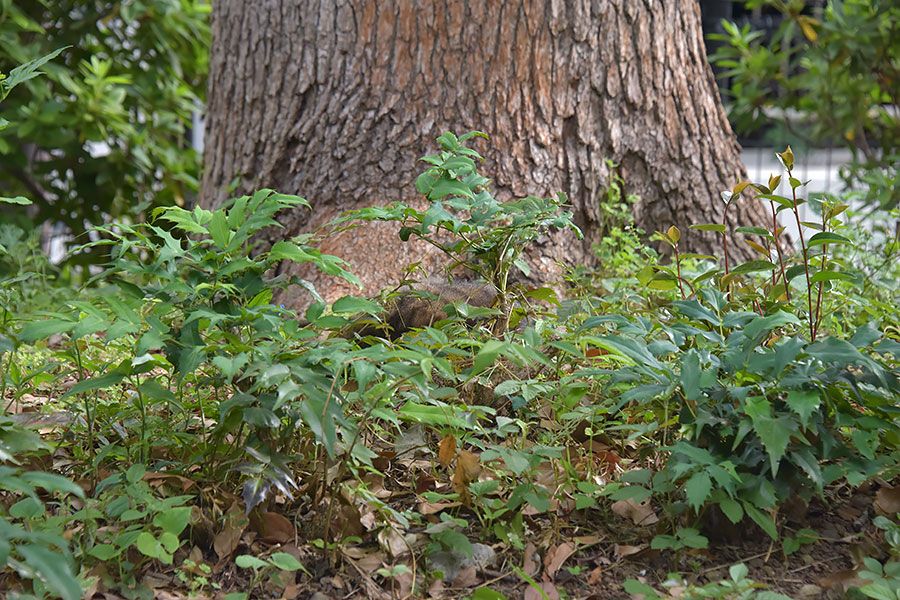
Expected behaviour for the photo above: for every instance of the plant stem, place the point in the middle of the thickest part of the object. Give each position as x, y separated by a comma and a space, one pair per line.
812, 330
821, 283
787, 289
678, 269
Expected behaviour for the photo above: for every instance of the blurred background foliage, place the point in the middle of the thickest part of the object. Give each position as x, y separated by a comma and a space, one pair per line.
105, 134
827, 75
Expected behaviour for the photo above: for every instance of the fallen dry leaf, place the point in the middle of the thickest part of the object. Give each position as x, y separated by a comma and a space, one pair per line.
841, 580
398, 546
430, 508
533, 593
595, 576
424, 482
467, 469
640, 513
402, 583
848, 513
447, 450
437, 588
227, 540
887, 501
531, 562
470, 463
555, 557
467, 577
275, 527
623, 551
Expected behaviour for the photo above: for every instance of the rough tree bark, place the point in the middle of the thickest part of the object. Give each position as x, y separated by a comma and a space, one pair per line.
336, 101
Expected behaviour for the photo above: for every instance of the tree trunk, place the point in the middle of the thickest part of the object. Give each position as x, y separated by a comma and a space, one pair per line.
336, 101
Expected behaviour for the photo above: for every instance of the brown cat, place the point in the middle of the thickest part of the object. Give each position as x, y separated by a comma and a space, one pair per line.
423, 306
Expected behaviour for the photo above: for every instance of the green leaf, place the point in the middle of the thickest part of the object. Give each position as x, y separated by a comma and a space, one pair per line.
805, 460
785, 202
218, 229
878, 591
697, 489
754, 266
22, 200
38, 330
148, 546
286, 562
663, 542
104, 551
731, 508
53, 483
353, 305
487, 355
456, 540
27, 71
762, 519
447, 187
826, 237
181, 219
484, 593
53, 568
173, 520
754, 231
636, 588
95, 383
285, 250
795, 271
692, 538
637, 493
828, 276
718, 227
245, 561
690, 375
775, 435
804, 403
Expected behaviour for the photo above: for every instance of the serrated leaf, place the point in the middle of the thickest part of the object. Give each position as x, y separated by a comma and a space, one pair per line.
804, 403
775, 435
697, 489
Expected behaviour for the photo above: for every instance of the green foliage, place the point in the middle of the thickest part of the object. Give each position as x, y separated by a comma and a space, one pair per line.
738, 587
839, 74
466, 222
28, 543
103, 132
151, 525
692, 385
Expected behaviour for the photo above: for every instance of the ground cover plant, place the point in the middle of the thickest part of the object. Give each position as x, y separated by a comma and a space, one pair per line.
174, 431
